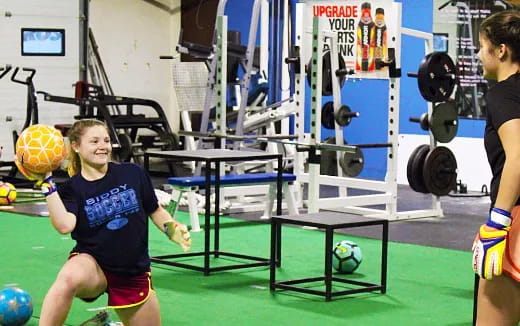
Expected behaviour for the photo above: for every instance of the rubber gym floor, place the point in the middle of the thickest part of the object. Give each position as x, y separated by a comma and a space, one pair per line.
430, 281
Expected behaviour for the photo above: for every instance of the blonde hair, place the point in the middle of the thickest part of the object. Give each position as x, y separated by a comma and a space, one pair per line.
76, 131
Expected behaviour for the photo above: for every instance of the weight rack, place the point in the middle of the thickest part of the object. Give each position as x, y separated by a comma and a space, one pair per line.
386, 190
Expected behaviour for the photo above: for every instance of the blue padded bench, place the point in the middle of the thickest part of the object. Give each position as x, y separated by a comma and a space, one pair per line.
192, 184
231, 179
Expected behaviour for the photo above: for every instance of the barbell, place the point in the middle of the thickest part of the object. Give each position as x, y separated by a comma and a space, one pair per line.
351, 161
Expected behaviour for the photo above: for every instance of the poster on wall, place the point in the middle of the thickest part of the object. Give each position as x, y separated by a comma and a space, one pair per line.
459, 23
365, 31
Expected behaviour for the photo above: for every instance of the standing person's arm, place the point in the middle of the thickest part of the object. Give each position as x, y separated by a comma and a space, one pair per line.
175, 231
509, 188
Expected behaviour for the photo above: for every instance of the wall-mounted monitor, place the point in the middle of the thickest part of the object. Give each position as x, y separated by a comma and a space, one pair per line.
440, 42
43, 41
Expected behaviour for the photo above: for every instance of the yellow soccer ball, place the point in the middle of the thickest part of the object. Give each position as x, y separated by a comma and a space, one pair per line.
40, 149
7, 193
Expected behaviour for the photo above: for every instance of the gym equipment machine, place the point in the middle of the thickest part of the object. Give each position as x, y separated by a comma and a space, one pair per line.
31, 117
124, 128
379, 192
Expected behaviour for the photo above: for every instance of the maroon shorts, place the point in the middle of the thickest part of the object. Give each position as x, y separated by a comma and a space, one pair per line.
125, 291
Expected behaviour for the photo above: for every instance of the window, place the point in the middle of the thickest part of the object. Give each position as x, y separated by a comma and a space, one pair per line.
440, 42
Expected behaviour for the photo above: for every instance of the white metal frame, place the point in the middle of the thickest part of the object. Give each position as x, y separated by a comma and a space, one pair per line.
244, 197
386, 189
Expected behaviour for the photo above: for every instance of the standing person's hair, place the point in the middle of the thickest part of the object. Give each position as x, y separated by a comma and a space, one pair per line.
76, 131
503, 27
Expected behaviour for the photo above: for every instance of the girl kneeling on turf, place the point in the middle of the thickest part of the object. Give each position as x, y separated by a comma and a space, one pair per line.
105, 206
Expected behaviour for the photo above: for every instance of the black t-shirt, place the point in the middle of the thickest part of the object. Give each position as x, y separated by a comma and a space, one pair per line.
112, 217
503, 104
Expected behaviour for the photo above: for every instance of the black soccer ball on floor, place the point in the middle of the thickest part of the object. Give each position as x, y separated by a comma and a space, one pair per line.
346, 256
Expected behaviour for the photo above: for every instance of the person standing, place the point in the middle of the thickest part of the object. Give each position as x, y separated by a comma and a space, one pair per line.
496, 249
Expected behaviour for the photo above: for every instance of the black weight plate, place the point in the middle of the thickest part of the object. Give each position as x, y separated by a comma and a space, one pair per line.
444, 122
440, 171
343, 116
327, 115
424, 122
352, 163
414, 169
123, 153
171, 140
436, 77
326, 77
